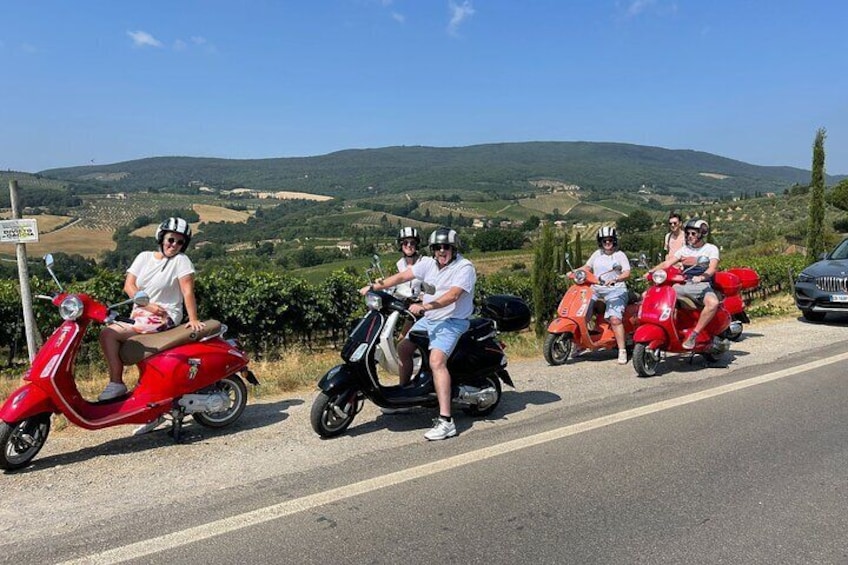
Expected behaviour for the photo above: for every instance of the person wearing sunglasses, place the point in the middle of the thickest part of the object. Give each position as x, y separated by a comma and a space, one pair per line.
409, 242
167, 276
675, 238
611, 288
697, 285
445, 316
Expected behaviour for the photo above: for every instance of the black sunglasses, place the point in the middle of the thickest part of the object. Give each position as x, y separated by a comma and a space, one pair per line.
441, 247
175, 241
411, 242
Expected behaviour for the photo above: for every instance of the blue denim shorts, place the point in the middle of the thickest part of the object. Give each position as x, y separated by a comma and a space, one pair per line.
615, 298
443, 334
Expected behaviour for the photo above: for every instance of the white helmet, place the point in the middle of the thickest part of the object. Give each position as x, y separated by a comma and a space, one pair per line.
408, 233
607, 232
174, 225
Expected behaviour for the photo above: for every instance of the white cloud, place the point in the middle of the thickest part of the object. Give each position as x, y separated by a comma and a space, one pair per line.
143, 39
636, 7
400, 18
459, 13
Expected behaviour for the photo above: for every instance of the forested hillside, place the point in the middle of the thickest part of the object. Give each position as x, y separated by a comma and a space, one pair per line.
502, 169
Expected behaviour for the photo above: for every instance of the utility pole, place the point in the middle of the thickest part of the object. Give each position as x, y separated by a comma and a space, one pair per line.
32, 337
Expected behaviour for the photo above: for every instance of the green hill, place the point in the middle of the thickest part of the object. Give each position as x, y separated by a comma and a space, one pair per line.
504, 169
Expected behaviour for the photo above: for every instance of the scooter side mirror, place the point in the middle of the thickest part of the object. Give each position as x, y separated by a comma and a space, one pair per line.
49, 262
616, 267
428, 288
141, 298
703, 261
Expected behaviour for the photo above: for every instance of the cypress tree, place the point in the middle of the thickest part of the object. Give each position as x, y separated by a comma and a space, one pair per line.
815, 230
543, 278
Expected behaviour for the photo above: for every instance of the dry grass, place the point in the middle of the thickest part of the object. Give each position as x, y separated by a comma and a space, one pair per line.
74, 239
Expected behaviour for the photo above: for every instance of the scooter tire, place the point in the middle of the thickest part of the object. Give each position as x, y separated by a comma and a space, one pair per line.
558, 348
16, 451
326, 420
644, 361
237, 391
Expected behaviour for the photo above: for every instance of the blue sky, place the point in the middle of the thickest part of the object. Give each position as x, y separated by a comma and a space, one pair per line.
105, 81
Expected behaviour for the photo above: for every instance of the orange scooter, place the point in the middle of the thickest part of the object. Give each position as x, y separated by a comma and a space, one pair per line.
579, 323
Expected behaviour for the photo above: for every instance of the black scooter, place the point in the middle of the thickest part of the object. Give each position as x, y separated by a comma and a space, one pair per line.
477, 366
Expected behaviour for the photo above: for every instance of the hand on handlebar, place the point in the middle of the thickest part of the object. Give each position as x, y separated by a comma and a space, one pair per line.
417, 309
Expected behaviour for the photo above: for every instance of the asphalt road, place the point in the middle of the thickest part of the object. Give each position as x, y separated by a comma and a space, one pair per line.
742, 462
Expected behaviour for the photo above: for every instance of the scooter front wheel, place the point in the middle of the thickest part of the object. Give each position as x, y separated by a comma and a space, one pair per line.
332, 413
236, 390
21, 441
645, 361
558, 348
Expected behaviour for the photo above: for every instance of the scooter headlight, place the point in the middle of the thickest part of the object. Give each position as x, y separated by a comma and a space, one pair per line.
373, 301
580, 277
71, 308
659, 276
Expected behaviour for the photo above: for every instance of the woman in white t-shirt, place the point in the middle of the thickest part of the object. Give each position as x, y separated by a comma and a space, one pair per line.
611, 287
167, 276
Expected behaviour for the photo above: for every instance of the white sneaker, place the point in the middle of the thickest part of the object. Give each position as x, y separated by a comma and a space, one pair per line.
113, 390
442, 429
149, 426
622, 357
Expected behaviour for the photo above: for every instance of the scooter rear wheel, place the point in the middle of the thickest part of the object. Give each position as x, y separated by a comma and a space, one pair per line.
21, 441
489, 381
331, 414
233, 387
558, 348
644, 361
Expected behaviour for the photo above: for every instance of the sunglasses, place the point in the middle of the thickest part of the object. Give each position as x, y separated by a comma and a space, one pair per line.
441, 247
690, 232
673, 223
175, 240
607, 240
409, 242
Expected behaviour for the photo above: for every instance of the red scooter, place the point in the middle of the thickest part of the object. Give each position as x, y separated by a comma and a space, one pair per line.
181, 372
665, 321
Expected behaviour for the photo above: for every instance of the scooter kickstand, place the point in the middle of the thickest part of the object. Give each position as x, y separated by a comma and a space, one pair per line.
177, 428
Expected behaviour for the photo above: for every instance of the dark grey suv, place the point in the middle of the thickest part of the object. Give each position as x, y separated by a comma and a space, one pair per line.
823, 286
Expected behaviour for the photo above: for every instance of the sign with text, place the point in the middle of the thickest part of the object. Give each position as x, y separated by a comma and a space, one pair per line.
18, 231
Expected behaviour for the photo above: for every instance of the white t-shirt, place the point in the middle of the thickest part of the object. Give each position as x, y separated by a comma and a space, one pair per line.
160, 279
459, 272
708, 249
413, 287
601, 264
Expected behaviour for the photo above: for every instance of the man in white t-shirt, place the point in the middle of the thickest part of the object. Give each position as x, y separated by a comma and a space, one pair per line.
698, 277
445, 318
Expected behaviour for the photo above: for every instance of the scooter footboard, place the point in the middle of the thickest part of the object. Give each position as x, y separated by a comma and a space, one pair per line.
338, 378
25, 402
653, 336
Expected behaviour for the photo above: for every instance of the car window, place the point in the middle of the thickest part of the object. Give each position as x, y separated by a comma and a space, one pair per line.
841, 251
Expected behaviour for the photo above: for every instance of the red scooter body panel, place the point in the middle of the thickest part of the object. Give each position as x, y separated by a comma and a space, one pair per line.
28, 400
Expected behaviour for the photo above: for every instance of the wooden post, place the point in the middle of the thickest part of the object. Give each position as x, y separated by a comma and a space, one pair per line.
32, 337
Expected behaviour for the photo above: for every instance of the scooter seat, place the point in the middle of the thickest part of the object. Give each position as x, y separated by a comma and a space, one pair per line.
687, 303
140, 347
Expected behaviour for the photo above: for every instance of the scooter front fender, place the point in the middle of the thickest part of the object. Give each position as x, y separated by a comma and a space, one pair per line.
563, 325
26, 401
338, 378
650, 334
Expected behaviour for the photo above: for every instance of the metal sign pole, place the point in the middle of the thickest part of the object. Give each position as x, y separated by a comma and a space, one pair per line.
32, 337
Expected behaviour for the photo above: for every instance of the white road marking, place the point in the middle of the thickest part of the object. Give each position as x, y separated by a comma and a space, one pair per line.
276, 511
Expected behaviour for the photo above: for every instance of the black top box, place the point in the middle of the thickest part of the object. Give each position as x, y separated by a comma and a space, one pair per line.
510, 313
